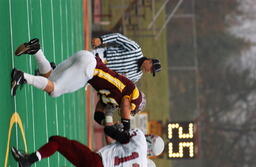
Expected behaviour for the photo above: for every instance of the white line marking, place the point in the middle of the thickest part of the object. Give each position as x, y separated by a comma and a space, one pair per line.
11, 38
54, 58
68, 52
45, 105
10, 15
73, 50
66, 12
32, 95
62, 58
54, 51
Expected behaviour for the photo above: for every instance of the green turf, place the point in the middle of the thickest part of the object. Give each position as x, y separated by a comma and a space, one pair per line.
58, 24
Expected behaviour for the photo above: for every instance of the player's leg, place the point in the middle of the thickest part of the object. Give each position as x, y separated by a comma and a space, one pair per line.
73, 73
60, 82
33, 48
44, 65
69, 76
78, 154
20, 78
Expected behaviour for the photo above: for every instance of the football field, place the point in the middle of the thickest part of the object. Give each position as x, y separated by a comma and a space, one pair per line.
32, 116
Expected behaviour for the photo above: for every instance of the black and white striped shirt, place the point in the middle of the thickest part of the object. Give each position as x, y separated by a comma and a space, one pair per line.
123, 58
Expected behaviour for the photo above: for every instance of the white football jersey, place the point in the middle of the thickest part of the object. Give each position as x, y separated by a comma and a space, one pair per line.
132, 154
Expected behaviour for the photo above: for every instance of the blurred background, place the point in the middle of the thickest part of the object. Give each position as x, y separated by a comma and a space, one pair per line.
207, 50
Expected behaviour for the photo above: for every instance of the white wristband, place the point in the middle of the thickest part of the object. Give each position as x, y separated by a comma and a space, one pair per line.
109, 119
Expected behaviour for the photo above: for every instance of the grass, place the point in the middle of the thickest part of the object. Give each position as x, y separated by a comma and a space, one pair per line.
59, 26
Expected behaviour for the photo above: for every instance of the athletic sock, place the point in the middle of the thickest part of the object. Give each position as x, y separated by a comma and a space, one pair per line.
37, 81
38, 155
43, 64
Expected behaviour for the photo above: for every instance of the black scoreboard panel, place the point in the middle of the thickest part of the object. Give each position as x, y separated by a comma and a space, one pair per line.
182, 140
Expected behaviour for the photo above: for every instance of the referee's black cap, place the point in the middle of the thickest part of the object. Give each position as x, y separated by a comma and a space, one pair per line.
156, 66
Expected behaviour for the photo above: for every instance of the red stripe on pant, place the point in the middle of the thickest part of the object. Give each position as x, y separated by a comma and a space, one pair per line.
77, 153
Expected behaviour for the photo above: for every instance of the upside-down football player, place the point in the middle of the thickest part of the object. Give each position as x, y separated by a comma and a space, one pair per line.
120, 151
74, 73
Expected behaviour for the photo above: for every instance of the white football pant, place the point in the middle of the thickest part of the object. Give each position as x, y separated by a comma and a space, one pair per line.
73, 73
69, 76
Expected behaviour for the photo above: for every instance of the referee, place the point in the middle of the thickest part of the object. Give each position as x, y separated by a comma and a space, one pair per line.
124, 56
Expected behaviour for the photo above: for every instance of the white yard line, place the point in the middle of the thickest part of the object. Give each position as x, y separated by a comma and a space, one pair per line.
68, 52
73, 50
45, 101
54, 59
11, 37
31, 69
62, 58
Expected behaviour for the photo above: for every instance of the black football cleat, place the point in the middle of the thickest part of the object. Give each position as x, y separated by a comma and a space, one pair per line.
30, 47
22, 158
17, 80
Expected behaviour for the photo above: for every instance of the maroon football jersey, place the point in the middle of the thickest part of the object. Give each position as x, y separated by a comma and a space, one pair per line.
112, 86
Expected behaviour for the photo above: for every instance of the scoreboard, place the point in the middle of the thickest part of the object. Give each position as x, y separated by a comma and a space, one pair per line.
183, 139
